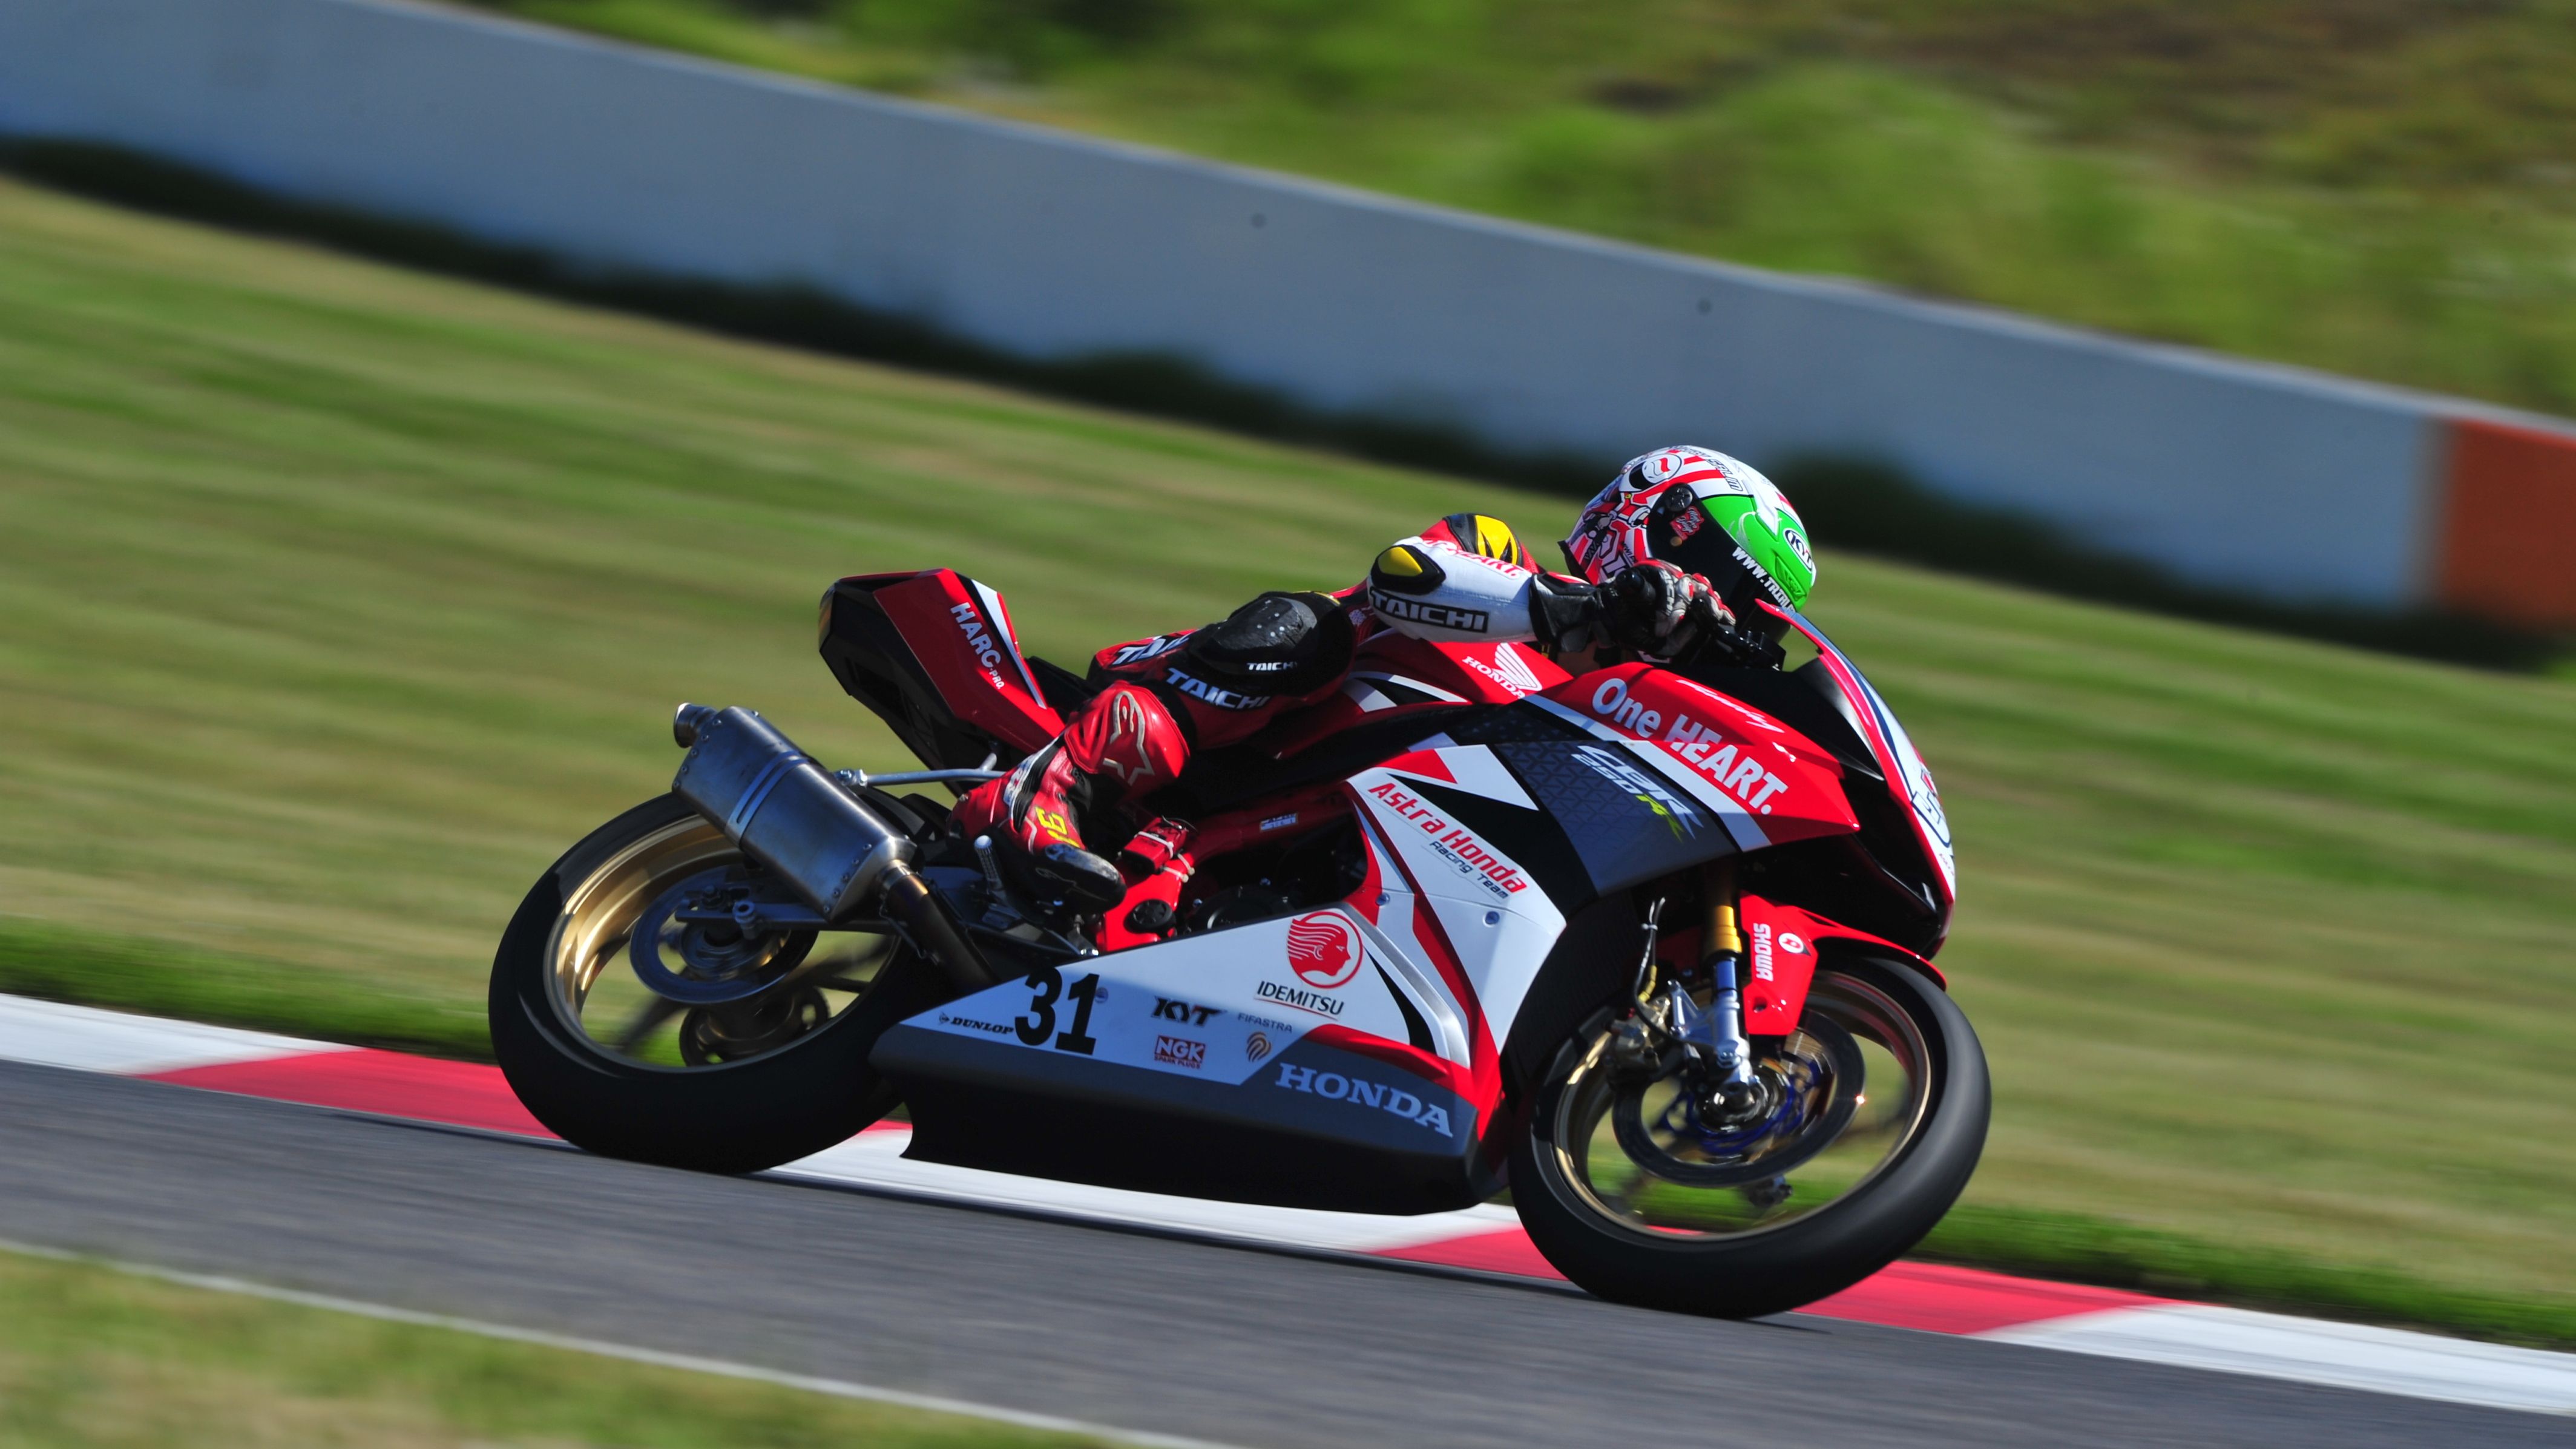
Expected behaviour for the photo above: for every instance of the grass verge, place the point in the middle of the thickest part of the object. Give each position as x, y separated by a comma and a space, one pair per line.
161, 978
2076, 1248
336, 600
1865, 506
99, 1358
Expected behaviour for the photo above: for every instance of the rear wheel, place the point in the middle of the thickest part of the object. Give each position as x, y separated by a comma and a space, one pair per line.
1643, 1187
637, 1022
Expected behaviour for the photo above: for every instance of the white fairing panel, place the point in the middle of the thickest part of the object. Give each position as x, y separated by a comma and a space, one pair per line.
1493, 914
1217, 1006
1221, 1005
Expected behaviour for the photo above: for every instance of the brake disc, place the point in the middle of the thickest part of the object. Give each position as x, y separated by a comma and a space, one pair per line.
719, 962
1810, 1086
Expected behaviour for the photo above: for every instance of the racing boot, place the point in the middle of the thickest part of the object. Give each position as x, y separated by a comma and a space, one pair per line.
1122, 744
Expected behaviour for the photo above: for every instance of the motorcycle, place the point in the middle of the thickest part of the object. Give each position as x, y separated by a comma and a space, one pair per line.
1650, 948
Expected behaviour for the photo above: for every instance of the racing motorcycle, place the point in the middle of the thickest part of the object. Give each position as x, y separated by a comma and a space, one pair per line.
1651, 948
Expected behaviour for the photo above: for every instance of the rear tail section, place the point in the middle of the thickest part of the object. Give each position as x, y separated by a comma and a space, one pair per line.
934, 654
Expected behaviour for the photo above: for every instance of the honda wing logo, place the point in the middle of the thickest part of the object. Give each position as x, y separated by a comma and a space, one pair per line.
1508, 670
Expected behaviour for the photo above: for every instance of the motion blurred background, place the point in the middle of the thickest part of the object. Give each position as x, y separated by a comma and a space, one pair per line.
349, 566
2380, 188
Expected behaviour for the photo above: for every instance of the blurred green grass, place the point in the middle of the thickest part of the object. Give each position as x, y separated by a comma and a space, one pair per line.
336, 600
2376, 187
101, 1359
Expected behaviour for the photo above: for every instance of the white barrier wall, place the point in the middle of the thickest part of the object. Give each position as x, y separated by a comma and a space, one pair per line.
1048, 245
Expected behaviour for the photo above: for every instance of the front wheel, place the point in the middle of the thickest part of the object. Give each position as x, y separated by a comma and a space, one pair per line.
1643, 1188
636, 1021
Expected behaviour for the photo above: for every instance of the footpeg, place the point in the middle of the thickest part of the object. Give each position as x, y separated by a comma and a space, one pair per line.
1061, 881
1079, 878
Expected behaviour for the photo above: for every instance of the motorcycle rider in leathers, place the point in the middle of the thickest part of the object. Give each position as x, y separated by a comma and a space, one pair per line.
1673, 553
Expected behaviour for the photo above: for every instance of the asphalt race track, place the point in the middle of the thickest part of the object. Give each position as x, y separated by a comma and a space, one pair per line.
1236, 1345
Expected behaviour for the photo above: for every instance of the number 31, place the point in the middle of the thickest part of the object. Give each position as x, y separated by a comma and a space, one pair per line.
1039, 1024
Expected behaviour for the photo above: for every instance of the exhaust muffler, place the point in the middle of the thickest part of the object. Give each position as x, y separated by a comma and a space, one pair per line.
784, 810
788, 813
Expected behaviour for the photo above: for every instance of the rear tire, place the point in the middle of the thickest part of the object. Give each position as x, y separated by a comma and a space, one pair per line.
1757, 1268
728, 1116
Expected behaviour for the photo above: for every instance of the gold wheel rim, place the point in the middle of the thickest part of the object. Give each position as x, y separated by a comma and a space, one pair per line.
1653, 1210
586, 954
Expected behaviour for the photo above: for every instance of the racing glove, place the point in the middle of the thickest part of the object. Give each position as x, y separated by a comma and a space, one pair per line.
1565, 613
1656, 609
1742, 648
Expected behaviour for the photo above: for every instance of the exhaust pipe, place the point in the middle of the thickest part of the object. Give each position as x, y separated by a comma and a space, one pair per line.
788, 813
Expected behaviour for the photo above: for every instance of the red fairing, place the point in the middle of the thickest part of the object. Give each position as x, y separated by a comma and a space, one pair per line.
1397, 674
1498, 673
1780, 945
1408, 1059
961, 633
1772, 783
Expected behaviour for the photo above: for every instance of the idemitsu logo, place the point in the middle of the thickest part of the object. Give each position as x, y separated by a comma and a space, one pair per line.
1323, 949
1365, 1093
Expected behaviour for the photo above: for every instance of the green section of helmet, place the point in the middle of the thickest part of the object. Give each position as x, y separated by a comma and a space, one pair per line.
1764, 525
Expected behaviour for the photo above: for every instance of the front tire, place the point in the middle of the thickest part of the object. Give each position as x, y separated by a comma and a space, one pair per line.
752, 1084
1638, 1220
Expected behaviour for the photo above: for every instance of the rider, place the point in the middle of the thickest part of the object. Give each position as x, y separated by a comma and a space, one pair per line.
1673, 552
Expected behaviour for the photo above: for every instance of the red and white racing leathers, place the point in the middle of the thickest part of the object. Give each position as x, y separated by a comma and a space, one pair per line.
1464, 578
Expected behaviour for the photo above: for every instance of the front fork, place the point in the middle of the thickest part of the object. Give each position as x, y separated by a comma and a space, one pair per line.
1719, 1032
1714, 1034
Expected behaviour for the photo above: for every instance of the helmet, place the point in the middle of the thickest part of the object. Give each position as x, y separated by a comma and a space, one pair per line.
1701, 511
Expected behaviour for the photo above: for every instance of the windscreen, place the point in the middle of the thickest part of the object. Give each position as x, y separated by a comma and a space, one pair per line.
1889, 743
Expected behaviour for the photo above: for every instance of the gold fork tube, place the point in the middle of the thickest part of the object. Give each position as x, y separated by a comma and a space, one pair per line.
1723, 937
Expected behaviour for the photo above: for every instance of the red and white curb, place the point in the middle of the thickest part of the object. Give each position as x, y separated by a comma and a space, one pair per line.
1923, 1296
